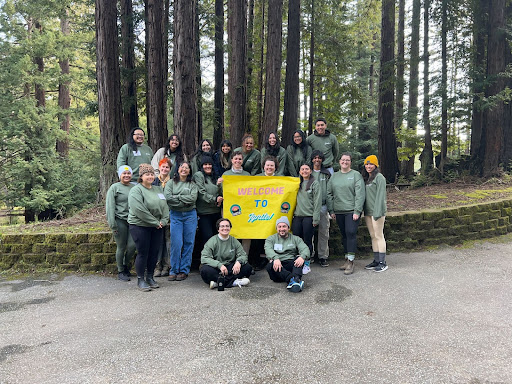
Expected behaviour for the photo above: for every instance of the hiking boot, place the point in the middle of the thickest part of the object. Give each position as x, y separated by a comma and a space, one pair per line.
172, 277
143, 285
151, 281
372, 265
297, 287
241, 282
213, 284
350, 268
381, 267
181, 276
345, 265
324, 263
157, 273
122, 276
127, 271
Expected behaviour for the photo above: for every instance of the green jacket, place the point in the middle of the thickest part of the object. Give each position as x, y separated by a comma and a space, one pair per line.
295, 158
116, 204
148, 207
322, 177
345, 192
127, 156
285, 249
309, 203
217, 252
207, 194
327, 144
251, 162
181, 196
375, 204
281, 158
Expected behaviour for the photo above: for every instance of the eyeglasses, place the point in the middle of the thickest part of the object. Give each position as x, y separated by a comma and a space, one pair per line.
138, 134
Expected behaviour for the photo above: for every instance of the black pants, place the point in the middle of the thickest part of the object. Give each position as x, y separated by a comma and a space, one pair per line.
287, 271
211, 274
148, 241
302, 226
348, 229
207, 229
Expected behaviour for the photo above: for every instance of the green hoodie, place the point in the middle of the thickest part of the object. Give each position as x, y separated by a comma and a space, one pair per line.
148, 207
287, 248
375, 204
127, 156
327, 144
345, 193
181, 196
251, 162
218, 252
309, 202
116, 204
207, 193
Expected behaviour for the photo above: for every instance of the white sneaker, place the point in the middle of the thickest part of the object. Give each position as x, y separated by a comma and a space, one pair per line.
241, 282
306, 268
213, 284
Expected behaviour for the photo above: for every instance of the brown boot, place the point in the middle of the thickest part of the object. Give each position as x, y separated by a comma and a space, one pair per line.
157, 273
345, 265
350, 268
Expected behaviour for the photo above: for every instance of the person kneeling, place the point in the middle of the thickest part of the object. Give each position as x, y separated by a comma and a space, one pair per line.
287, 254
223, 255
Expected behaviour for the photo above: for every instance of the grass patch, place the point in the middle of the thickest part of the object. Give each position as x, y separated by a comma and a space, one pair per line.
439, 196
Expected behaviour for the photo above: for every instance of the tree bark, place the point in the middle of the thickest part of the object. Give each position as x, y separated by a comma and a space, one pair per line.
198, 77
311, 69
250, 60
185, 91
64, 96
387, 139
444, 84
427, 155
291, 87
400, 66
218, 101
109, 95
259, 108
157, 64
237, 69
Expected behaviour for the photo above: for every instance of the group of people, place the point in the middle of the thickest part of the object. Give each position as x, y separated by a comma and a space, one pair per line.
161, 200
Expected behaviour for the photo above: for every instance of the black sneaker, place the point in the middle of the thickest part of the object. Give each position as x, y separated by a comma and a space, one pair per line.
123, 277
260, 266
381, 267
324, 263
372, 265
127, 271
143, 285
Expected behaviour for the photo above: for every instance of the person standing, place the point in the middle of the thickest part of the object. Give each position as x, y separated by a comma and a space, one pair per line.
298, 153
162, 265
326, 142
251, 156
345, 199
223, 254
205, 148
273, 148
116, 207
181, 195
322, 175
148, 215
375, 208
135, 152
222, 158
286, 253
173, 151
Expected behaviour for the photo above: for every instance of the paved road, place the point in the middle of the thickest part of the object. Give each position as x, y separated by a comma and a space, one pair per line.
433, 317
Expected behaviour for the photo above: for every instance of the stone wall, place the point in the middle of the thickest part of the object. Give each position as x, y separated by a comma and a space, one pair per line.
403, 232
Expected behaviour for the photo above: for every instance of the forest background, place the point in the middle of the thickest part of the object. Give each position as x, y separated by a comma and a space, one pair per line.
427, 79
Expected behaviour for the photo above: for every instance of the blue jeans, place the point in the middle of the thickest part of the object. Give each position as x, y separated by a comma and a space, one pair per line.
183, 233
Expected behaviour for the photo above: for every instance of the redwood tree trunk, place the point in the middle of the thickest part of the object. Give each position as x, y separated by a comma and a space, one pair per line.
185, 91
311, 69
427, 155
109, 95
444, 84
218, 123
64, 96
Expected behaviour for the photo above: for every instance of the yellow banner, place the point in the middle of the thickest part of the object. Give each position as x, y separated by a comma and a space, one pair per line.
254, 203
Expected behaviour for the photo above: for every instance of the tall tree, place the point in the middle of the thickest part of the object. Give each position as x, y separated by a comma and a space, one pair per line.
237, 69
400, 66
387, 139
427, 155
198, 76
218, 124
185, 84
157, 64
444, 84
64, 96
128, 71
311, 69
109, 95
291, 87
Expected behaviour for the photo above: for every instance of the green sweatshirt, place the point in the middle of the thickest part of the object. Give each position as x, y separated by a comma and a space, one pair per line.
309, 203
127, 156
230, 172
148, 207
281, 158
327, 144
285, 249
345, 192
295, 158
207, 194
375, 204
322, 177
218, 252
251, 162
181, 196
116, 204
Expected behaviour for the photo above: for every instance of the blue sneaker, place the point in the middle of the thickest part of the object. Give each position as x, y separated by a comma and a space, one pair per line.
290, 284
297, 287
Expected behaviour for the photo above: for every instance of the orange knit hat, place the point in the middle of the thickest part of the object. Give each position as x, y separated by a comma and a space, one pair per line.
372, 159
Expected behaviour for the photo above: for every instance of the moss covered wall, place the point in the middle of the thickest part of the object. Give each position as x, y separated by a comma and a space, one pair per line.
404, 231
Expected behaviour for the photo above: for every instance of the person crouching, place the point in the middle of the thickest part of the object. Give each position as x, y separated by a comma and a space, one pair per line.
287, 254
223, 254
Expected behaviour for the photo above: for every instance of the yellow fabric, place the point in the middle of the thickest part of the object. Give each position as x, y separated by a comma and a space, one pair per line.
254, 203
372, 159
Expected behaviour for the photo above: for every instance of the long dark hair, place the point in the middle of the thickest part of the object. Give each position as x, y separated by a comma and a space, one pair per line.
205, 159
222, 155
303, 145
369, 177
178, 151
132, 142
311, 177
272, 150
176, 177
199, 150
